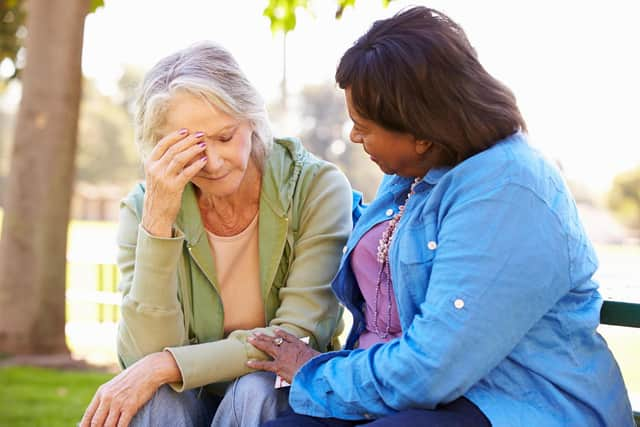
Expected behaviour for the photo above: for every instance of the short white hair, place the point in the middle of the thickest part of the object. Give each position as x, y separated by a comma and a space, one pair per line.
205, 70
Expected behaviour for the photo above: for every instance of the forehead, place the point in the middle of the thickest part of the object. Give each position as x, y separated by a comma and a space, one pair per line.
196, 114
353, 113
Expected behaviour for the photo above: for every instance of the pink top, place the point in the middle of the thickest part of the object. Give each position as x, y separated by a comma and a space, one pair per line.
366, 268
238, 271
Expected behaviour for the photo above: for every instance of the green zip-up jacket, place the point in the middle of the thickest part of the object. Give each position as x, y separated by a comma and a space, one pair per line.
170, 293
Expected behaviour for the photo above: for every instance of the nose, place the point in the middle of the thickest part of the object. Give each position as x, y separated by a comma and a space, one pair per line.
214, 161
355, 137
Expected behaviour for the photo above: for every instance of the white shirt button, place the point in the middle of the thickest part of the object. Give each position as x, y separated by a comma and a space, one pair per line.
458, 303
389, 212
432, 245
344, 249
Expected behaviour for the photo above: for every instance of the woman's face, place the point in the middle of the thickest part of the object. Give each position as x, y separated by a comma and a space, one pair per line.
228, 143
394, 152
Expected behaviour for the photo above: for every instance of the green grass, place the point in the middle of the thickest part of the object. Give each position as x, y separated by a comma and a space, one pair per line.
34, 397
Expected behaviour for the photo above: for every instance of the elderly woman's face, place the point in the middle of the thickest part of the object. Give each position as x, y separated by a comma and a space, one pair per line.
228, 143
394, 152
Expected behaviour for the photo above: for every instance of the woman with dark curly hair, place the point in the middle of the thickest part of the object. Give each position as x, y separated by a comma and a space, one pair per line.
469, 277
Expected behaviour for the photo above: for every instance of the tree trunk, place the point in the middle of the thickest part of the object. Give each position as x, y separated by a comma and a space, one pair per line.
38, 197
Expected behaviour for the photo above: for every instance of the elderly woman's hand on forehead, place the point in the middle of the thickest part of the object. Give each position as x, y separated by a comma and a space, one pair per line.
173, 162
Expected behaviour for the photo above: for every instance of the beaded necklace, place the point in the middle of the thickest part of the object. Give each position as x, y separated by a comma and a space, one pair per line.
384, 274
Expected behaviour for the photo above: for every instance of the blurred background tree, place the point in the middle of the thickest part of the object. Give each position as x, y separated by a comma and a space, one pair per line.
325, 127
624, 198
39, 187
107, 153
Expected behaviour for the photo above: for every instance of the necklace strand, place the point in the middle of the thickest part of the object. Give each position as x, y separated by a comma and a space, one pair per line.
384, 273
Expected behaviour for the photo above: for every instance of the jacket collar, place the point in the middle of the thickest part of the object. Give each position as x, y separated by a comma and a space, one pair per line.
398, 185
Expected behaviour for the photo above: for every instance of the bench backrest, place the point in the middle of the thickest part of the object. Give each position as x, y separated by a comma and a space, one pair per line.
620, 313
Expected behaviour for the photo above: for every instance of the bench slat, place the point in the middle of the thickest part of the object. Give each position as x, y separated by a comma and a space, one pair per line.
620, 314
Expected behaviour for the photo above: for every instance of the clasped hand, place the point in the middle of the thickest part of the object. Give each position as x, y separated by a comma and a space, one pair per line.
117, 401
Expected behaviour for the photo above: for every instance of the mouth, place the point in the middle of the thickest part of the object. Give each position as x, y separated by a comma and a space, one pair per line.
216, 178
371, 156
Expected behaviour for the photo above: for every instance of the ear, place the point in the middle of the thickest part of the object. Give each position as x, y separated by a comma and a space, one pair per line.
422, 146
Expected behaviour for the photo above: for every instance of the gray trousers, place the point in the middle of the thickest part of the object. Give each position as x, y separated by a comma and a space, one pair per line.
248, 402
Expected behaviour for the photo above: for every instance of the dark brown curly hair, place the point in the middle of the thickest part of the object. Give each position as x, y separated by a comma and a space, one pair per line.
417, 73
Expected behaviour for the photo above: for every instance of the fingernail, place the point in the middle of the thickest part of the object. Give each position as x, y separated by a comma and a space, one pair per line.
183, 131
204, 159
198, 134
251, 338
202, 144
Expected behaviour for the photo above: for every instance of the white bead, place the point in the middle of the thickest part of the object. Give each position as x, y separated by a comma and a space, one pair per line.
458, 303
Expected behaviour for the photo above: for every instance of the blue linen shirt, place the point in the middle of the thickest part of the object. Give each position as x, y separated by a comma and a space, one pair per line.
492, 272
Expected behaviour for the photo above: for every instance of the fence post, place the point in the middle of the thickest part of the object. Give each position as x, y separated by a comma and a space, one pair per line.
100, 289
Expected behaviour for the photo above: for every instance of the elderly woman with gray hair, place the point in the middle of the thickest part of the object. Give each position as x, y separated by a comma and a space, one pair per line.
232, 233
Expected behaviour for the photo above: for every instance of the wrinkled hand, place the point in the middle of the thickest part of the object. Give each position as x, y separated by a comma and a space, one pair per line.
288, 357
173, 162
117, 401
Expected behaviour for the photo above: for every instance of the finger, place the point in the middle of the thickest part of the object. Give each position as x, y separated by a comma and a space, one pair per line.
100, 415
264, 343
263, 365
286, 335
112, 418
181, 146
192, 170
125, 419
88, 413
184, 158
166, 142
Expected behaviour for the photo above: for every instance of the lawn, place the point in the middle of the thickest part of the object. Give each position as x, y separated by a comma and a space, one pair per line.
35, 397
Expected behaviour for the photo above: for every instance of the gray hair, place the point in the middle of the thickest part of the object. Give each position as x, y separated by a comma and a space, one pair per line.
208, 71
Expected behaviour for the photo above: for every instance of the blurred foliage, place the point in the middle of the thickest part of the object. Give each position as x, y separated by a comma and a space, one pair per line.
106, 152
282, 13
13, 33
624, 197
325, 127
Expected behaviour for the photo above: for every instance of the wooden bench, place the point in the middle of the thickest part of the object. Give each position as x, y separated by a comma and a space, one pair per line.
618, 313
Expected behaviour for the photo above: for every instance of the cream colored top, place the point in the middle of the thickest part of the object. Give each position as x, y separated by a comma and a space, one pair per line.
238, 268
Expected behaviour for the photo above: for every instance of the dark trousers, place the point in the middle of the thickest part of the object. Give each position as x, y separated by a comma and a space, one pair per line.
459, 413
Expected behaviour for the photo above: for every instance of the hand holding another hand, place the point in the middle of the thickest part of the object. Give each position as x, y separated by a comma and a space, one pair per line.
288, 352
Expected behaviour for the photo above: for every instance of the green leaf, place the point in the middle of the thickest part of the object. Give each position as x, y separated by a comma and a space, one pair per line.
342, 4
282, 14
95, 4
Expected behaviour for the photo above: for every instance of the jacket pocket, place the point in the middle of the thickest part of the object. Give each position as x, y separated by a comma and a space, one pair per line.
416, 252
417, 244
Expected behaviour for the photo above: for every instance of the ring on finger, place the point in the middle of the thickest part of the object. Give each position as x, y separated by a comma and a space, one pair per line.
278, 341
